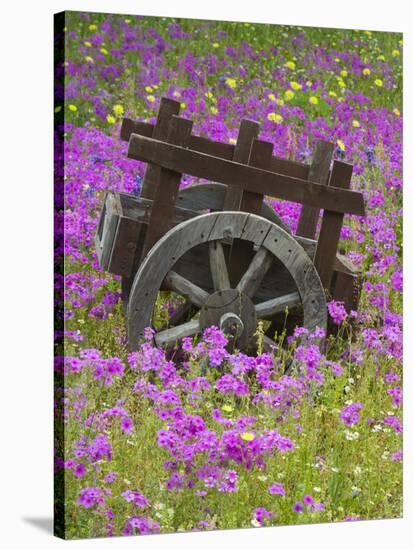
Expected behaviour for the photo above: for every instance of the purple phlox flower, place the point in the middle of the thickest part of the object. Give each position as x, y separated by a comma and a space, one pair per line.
138, 499
142, 525
350, 414
336, 311
126, 424
308, 500
298, 507
110, 477
90, 496
261, 514
276, 489
394, 422
79, 470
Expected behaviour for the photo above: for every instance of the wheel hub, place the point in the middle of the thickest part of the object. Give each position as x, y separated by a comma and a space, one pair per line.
233, 312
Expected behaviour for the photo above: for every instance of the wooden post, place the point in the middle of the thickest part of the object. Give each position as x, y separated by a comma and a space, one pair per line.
319, 171
162, 213
167, 109
248, 131
241, 252
331, 224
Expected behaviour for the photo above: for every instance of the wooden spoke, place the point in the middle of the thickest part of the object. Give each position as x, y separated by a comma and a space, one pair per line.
182, 286
252, 278
277, 305
183, 311
171, 335
218, 266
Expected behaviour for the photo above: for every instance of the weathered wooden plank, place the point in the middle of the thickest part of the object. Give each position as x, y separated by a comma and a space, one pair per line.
252, 278
318, 172
289, 167
331, 224
265, 310
216, 148
130, 127
210, 197
167, 109
171, 335
218, 265
185, 288
248, 131
124, 247
347, 289
108, 224
344, 264
241, 253
249, 178
163, 208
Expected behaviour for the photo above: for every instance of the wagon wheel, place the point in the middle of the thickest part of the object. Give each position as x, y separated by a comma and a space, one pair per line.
231, 309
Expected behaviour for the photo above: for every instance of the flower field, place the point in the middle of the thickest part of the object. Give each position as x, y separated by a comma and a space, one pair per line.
207, 439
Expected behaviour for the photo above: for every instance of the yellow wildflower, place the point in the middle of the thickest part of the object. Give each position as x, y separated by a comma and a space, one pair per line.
233, 141
88, 44
231, 82
368, 33
308, 83
110, 119
341, 145
341, 84
337, 59
104, 51
209, 95
155, 86
247, 436
118, 109
59, 108
271, 97
280, 102
227, 408
313, 100
289, 94
344, 73
380, 58
396, 111
275, 117
148, 89
295, 85
214, 110
150, 98
395, 53
215, 45
290, 65
89, 59
356, 124
127, 21
183, 105
92, 27
332, 94
366, 71
72, 108
378, 82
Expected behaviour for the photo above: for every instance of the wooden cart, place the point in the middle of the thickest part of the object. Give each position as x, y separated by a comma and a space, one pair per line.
218, 244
